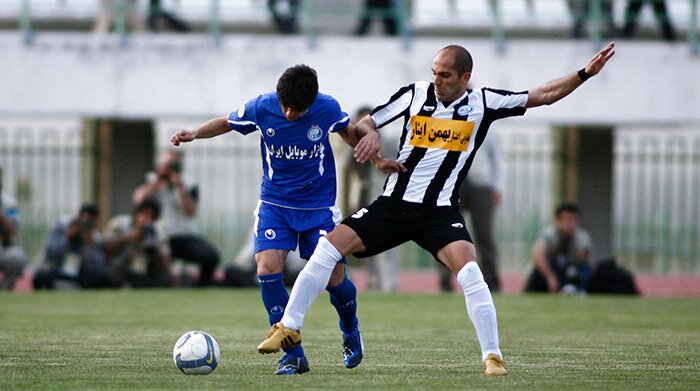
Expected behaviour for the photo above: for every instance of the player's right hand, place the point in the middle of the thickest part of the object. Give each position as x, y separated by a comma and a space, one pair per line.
182, 136
389, 166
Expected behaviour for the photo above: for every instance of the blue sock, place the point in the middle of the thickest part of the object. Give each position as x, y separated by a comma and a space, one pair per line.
275, 297
344, 299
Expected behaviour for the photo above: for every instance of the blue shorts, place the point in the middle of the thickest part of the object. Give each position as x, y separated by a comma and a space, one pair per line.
280, 228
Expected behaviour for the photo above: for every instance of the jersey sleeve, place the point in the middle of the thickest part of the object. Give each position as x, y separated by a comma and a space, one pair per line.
342, 119
503, 103
244, 120
397, 106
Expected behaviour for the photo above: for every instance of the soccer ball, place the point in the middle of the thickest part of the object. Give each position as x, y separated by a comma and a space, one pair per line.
196, 353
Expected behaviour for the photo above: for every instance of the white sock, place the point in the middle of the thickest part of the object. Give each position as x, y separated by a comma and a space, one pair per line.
480, 308
312, 279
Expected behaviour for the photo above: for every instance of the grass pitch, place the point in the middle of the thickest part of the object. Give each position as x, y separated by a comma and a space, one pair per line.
123, 339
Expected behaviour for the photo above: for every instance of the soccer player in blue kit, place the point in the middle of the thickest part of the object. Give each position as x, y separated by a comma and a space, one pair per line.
297, 197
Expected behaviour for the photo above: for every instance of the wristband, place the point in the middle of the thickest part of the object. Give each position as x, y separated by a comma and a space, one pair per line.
583, 75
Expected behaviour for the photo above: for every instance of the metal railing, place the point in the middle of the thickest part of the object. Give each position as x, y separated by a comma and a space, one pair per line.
656, 206
405, 12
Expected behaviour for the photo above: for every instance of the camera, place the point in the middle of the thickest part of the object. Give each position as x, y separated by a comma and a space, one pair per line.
149, 239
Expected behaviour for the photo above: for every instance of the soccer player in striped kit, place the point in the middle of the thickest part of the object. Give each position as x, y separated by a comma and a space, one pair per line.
445, 123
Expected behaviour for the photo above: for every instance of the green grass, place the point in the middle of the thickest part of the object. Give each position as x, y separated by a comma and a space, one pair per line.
123, 340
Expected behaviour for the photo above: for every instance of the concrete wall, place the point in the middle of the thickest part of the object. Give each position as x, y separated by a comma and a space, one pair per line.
172, 75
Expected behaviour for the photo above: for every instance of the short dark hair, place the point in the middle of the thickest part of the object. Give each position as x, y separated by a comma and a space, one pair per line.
297, 87
567, 207
90, 208
149, 203
463, 60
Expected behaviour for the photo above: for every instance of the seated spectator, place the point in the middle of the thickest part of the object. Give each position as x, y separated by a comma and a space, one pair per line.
107, 12
660, 11
134, 252
561, 255
284, 15
74, 256
379, 9
581, 12
13, 258
161, 19
178, 198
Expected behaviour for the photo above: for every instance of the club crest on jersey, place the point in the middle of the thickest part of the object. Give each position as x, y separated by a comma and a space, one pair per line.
464, 110
314, 133
270, 234
241, 111
270, 132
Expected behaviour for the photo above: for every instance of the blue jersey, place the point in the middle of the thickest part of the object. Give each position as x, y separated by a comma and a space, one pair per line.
298, 164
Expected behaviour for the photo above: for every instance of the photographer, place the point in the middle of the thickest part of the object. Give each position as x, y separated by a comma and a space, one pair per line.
178, 200
74, 257
13, 259
561, 254
133, 250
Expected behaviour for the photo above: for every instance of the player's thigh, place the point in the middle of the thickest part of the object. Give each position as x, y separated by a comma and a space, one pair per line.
379, 226
438, 228
312, 225
272, 229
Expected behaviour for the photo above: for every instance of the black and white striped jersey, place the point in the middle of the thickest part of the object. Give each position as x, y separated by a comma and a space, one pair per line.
438, 143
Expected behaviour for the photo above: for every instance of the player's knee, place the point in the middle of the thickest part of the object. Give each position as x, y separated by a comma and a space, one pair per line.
471, 279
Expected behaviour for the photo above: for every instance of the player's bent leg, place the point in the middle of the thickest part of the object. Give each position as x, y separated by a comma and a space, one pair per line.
310, 282
482, 313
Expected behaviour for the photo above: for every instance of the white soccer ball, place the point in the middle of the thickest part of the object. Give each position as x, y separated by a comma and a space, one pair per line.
196, 353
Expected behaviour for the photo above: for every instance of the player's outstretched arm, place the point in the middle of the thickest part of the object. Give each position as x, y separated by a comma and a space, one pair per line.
209, 129
555, 90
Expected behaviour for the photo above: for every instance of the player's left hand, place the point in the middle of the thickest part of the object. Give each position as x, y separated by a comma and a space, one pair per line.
598, 61
368, 147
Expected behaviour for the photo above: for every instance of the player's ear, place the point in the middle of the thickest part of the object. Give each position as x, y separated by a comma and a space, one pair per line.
466, 76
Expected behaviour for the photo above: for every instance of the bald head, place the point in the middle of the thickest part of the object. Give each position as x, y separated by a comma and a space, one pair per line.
462, 60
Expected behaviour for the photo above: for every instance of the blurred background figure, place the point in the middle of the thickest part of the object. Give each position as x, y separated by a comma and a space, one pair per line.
109, 9
383, 10
382, 270
284, 15
160, 19
660, 11
134, 252
13, 258
178, 198
135, 255
581, 13
74, 256
480, 194
561, 255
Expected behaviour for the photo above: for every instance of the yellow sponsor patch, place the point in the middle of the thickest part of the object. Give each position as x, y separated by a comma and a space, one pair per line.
429, 132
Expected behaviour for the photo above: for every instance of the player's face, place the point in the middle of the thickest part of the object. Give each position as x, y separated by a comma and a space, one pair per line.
449, 84
290, 114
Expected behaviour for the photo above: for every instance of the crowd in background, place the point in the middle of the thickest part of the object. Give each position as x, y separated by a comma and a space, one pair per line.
135, 250
140, 249
285, 17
